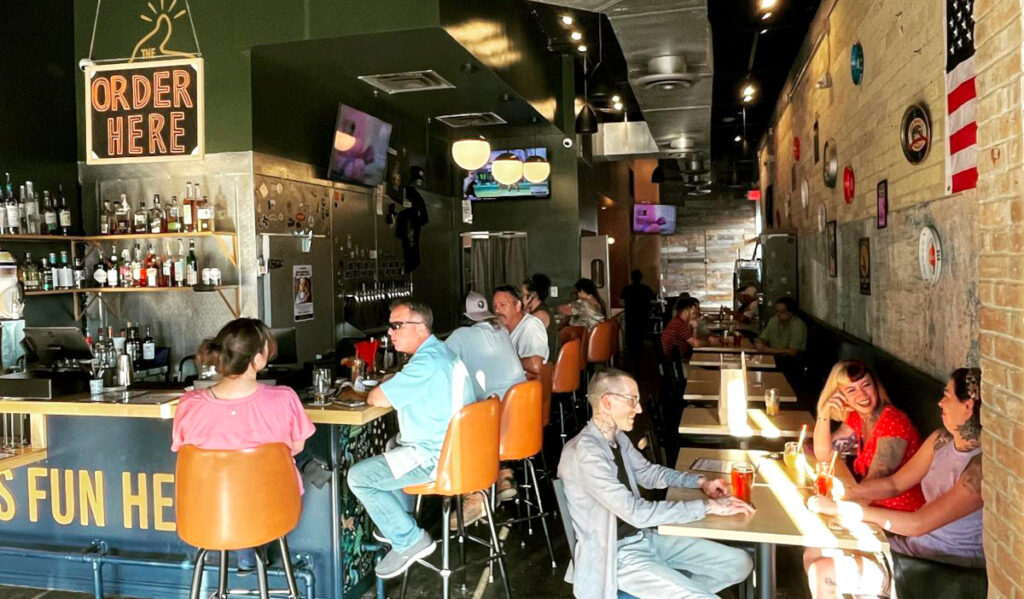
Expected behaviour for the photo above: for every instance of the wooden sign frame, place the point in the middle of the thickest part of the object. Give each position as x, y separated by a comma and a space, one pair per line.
198, 152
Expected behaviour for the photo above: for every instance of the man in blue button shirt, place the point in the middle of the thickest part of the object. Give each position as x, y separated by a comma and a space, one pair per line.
432, 387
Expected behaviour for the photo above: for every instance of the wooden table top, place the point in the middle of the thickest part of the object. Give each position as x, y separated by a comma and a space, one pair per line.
781, 518
787, 424
704, 384
746, 345
715, 359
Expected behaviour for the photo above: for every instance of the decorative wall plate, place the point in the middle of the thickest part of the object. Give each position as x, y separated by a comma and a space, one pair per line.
805, 194
929, 255
830, 167
916, 133
822, 217
849, 188
857, 63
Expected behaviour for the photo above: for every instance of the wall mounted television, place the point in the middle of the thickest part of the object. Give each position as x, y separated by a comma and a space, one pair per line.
480, 184
654, 218
359, 150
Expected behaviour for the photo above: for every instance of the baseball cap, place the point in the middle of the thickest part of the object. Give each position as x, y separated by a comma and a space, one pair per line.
476, 307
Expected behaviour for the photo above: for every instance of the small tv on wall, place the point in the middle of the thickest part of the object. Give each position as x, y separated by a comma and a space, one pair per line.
654, 218
359, 152
480, 184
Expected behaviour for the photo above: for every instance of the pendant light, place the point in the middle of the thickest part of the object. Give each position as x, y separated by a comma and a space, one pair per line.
536, 169
471, 153
586, 120
507, 169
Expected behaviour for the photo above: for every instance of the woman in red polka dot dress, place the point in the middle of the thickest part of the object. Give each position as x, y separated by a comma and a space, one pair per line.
881, 437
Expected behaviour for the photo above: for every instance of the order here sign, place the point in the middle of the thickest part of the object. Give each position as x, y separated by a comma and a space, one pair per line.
144, 112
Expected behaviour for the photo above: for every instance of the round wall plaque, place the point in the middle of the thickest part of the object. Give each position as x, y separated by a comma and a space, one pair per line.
929, 255
916, 133
830, 166
857, 63
822, 217
848, 184
805, 194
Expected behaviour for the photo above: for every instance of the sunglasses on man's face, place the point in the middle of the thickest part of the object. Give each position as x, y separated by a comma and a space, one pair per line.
395, 325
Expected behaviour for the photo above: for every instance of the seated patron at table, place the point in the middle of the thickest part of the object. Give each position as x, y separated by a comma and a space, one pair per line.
494, 366
947, 529
526, 331
237, 412
881, 438
747, 310
785, 332
680, 336
588, 309
426, 393
617, 546
535, 292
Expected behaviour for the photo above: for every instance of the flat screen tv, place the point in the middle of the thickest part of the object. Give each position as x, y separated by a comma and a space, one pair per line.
480, 184
654, 218
359, 152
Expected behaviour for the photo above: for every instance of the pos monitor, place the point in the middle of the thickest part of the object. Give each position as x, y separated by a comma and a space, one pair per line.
46, 345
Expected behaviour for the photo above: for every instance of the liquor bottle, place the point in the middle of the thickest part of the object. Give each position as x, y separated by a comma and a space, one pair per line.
123, 216
188, 210
173, 216
54, 271
78, 274
11, 207
113, 270
99, 272
49, 215
4, 228
197, 197
22, 211
32, 209
191, 265
47, 275
157, 217
105, 218
130, 347
138, 273
126, 269
30, 274
140, 220
148, 346
179, 266
166, 268
64, 213
152, 266
205, 213
65, 277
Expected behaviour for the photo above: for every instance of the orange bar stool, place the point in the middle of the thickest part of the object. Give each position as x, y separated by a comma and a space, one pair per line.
468, 464
522, 438
601, 344
226, 500
565, 382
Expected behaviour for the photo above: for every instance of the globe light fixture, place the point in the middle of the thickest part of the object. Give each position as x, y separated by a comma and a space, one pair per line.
507, 169
536, 169
471, 153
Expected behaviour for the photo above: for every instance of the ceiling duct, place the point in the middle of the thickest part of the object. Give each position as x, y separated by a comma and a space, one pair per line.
409, 81
623, 139
471, 119
665, 74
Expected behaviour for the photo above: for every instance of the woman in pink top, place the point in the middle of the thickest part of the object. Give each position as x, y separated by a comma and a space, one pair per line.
238, 412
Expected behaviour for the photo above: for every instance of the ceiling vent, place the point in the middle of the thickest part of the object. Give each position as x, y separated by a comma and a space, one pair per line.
411, 81
666, 73
471, 119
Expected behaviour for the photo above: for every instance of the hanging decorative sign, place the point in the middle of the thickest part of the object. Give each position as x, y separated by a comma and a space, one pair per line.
149, 111
857, 63
830, 167
805, 194
848, 184
882, 195
929, 255
796, 148
822, 217
916, 133
864, 263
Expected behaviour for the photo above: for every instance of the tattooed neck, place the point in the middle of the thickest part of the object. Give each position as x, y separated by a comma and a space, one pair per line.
969, 434
606, 425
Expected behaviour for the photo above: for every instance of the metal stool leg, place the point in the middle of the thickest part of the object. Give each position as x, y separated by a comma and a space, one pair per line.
197, 574
497, 549
289, 575
446, 508
540, 508
261, 578
561, 422
222, 576
461, 531
416, 515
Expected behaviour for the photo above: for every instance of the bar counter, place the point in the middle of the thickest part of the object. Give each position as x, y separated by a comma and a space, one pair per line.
90, 505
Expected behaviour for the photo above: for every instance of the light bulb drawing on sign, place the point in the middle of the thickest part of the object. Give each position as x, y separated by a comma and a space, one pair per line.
162, 20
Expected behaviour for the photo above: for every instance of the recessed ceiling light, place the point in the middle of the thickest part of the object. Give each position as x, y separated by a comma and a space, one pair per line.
764, 31
728, 119
738, 139
616, 98
767, 4
566, 19
576, 36
766, 16
582, 47
617, 106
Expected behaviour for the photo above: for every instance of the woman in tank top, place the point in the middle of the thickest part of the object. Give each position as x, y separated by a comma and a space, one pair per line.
946, 529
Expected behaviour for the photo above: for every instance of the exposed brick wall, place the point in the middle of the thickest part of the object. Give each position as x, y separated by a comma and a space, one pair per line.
932, 328
998, 32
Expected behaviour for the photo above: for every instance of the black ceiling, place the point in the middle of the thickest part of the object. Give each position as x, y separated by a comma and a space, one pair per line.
734, 26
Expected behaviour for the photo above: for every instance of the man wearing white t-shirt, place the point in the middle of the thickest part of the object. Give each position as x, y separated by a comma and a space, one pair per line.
527, 332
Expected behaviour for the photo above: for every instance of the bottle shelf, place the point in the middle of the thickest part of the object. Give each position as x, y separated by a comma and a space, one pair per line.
53, 238
100, 238
103, 290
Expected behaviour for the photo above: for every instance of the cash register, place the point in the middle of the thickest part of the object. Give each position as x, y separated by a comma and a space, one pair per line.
52, 358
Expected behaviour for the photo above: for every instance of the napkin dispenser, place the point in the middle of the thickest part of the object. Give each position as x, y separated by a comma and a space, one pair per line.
732, 398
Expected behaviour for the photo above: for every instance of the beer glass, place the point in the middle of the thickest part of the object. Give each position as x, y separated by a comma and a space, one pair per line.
321, 385
771, 401
742, 481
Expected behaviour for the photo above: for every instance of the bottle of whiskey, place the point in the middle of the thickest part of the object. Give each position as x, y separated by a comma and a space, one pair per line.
140, 220
166, 268
179, 266
78, 274
173, 216
191, 265
188, 210
64, 213
123, 216
205, 214
49, 215
99, 272
11, 208
47, 275
157, 217
113, 269
152, 267
126, 269
138, 272
148, 347
30, 274
105, 218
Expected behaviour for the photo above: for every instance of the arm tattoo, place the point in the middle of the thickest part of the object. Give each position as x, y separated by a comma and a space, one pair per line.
971, 476
942, 440
845, 445
888, 456
830, 582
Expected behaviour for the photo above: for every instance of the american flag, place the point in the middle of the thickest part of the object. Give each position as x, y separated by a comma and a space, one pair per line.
961, 98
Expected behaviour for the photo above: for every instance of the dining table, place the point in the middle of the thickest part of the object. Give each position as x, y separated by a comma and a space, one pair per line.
784, 425
704, 384
781, 515
718, 359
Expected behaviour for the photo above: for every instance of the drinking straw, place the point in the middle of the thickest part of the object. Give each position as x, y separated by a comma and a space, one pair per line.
832, 464
803, 433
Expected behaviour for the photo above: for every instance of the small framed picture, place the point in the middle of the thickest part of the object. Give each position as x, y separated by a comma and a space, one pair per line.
864, 263
883, 203
830, 242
